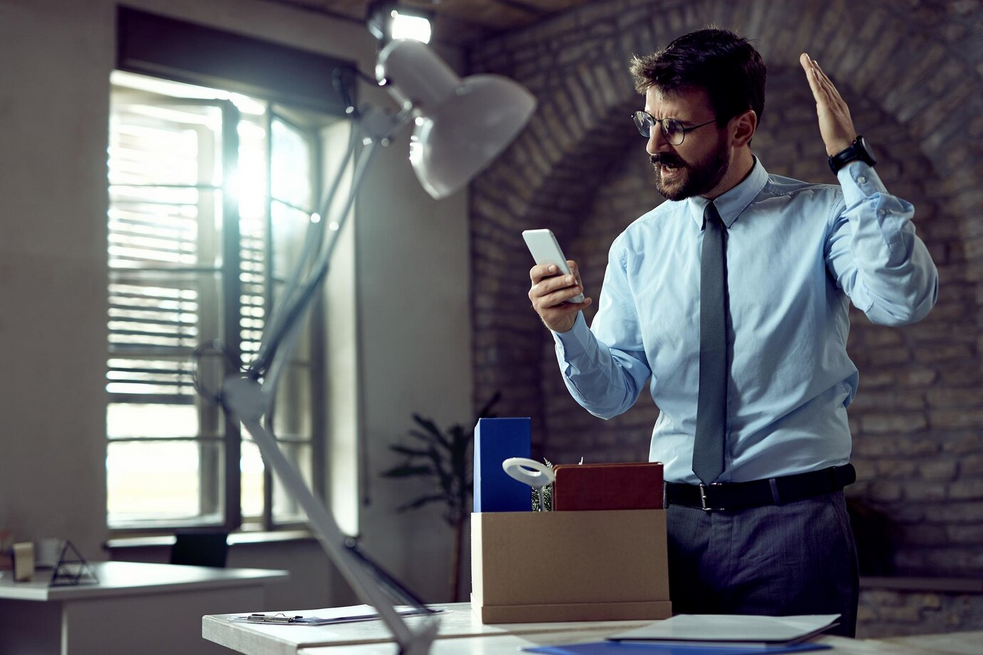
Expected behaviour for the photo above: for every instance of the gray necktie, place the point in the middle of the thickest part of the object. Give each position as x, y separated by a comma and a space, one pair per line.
711, 409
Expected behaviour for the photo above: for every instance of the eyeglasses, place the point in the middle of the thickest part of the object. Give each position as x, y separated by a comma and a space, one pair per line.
672, 129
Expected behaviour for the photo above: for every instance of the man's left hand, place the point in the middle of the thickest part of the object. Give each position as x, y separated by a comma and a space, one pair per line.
835, 124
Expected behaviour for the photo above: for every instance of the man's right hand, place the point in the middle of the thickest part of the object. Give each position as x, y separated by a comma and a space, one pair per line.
550, 292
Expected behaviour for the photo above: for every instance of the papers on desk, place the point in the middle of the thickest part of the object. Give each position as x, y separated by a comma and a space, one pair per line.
655, 648
327, 616
732, 630
709, 634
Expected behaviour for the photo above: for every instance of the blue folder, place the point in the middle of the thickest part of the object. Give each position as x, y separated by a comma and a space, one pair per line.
496, 440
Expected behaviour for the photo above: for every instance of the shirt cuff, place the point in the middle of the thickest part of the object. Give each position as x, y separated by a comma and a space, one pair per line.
859, 181
575, 341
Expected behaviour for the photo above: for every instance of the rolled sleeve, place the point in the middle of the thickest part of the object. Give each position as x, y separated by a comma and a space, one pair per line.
874, 253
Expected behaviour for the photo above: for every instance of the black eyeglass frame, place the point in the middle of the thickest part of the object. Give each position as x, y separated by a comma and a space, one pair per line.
645, 128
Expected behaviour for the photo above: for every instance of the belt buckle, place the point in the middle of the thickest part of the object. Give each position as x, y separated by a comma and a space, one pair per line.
703, 497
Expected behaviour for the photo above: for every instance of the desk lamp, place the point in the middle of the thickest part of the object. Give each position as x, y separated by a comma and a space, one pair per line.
460, 127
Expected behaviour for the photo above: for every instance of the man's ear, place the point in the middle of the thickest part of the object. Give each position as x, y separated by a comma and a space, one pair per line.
743, 127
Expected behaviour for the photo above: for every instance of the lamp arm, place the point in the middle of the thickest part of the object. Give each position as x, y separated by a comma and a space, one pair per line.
285, 344
273, 332
243, 397
378, 127
248, 399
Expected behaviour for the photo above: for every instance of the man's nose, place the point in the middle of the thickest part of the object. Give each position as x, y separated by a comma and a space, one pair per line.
657, 142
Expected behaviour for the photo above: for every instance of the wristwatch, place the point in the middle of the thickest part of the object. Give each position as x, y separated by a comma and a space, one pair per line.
858, 150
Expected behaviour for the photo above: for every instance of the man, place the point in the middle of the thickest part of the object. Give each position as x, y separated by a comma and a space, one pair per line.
732, 297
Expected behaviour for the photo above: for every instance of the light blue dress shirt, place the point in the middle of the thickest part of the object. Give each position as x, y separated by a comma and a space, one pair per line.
797, 253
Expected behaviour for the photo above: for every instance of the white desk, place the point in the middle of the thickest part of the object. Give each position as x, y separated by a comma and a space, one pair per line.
460, 632
135, 608
456, 623
965, 643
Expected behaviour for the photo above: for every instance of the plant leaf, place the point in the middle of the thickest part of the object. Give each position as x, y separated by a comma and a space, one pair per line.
409, 452
443, 458
407, 470
420, 502
445, 477
486, 410
429, 438
432, 428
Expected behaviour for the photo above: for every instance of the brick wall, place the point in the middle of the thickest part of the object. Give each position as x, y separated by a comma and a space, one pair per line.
892, 612
911, 72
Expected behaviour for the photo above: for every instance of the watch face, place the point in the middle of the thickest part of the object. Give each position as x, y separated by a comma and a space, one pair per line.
866, 154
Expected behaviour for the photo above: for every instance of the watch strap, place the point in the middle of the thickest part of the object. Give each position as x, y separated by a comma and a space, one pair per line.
856, 151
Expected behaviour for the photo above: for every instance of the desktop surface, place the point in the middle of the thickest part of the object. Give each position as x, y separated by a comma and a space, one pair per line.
124, 578
456, 621
461, 632
150, 609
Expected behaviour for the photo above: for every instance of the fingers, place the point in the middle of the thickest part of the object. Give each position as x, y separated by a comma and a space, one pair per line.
551, 293
553, 290
835, 124
539, 271
561, 317
826, 83
822, 87
812, 69
576, 271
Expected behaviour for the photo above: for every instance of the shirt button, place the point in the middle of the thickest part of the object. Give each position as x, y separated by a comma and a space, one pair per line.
882, 213
862, 179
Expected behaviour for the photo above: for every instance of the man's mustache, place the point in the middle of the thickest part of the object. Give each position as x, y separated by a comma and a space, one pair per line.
668, 159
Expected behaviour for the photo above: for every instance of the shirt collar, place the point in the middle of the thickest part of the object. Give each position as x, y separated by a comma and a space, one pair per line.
731, 203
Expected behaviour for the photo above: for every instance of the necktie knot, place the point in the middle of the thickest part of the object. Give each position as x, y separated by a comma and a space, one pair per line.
712, 217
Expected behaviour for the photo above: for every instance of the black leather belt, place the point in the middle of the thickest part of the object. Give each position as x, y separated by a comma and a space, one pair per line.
774, 491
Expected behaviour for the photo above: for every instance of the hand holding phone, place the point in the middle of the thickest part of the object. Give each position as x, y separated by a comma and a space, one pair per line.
545, 249
549, 291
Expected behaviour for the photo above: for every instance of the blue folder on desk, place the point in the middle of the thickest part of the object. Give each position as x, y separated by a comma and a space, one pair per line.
495, 440
636, 648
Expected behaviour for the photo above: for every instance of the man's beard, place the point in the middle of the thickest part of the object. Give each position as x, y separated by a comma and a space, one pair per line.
687, 180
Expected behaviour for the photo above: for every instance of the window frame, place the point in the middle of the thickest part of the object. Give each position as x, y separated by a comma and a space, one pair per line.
179, 51
223, 485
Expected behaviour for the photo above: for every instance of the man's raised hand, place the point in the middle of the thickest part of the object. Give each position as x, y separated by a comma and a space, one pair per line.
835, 124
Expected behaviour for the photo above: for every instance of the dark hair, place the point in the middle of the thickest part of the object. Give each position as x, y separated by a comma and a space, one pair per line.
721, 63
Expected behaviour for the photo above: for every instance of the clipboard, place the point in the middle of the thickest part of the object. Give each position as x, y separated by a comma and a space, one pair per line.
331, 616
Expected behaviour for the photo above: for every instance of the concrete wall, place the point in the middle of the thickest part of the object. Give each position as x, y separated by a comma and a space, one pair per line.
412, 286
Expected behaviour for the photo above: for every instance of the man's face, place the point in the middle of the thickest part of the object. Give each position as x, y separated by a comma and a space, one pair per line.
697, 165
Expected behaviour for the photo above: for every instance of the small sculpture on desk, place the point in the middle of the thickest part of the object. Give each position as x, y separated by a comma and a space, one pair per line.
542, 497
72, 569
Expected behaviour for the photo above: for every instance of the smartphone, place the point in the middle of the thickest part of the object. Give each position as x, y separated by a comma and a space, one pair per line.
546, 250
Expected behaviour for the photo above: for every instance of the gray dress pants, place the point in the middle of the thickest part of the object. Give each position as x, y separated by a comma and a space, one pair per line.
777, 560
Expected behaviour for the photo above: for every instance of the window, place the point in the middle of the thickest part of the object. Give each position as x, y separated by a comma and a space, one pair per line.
210, 196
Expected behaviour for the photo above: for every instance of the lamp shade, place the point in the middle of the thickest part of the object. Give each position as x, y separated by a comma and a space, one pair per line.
461, 125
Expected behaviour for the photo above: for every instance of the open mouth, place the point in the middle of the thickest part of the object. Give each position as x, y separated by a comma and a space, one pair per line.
669, 169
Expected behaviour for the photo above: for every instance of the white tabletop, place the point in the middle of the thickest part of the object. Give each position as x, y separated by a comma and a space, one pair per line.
456, 622
132, 578
512, 645
461, 632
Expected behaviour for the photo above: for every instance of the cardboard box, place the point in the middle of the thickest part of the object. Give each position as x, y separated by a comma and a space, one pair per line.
531, 567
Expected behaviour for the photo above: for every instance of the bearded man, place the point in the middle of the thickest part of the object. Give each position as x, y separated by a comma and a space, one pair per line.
732, 300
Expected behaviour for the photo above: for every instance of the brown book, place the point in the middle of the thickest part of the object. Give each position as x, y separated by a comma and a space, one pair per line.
607, 486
